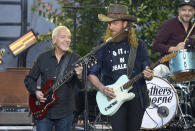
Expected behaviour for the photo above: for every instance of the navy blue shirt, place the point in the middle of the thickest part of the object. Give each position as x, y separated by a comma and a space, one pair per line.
112, 62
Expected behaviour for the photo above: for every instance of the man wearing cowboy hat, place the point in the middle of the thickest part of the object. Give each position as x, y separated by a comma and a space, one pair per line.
112, 62
172, 33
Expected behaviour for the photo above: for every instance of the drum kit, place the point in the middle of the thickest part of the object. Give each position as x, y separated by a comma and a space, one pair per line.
170, 94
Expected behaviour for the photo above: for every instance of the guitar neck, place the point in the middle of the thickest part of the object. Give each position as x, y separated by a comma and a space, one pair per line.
62, 81
137, 77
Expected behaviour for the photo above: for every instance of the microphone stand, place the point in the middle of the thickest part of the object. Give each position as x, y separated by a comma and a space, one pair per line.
75, 9
86, 117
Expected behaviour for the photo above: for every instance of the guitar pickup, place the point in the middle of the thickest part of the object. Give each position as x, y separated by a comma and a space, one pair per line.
111, 105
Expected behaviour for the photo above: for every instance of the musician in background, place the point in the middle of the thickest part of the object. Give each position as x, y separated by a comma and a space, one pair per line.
172, 33
49, 66
112, 63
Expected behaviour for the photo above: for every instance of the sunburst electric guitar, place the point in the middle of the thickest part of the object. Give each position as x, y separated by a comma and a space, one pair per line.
121, 87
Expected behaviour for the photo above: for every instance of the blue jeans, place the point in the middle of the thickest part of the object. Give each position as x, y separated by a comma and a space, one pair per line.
63, 124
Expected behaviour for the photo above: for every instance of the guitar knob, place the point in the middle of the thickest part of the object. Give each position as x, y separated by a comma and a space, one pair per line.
37, 103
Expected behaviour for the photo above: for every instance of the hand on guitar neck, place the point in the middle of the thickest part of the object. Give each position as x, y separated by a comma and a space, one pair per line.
148, 73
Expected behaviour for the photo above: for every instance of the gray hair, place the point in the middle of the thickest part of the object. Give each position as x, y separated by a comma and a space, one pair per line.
55, 31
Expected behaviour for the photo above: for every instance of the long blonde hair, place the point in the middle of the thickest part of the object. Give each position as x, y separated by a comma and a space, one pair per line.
133, 38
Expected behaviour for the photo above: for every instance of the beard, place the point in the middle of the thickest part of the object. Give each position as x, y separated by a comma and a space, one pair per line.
184, 19
109, 34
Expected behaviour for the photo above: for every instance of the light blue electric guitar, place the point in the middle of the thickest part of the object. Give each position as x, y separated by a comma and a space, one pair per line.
121, 87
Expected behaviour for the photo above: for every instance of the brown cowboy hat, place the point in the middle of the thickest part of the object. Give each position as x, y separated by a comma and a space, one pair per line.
117, 12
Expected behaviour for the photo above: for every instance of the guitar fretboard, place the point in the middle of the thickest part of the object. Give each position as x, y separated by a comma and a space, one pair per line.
137, 77
59, 83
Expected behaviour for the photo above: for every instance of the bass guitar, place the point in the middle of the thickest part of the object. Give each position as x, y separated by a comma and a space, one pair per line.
121, 87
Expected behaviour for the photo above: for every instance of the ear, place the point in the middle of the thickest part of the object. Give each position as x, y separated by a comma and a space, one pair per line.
54, 40
179, 8
194, 10
108, 24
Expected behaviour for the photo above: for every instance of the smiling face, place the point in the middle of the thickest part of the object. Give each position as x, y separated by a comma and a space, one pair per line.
186, 13
62, 39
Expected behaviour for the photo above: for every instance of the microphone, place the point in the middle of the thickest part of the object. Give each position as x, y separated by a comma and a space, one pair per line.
163, 111
135, 25
129, 26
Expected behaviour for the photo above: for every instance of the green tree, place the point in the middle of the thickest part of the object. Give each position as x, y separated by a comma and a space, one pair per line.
150, 14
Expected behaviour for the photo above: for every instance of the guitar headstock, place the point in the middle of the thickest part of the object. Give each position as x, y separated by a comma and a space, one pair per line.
168, 57
92, 61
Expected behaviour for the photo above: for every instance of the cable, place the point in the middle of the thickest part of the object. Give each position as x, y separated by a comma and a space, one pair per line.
152, 119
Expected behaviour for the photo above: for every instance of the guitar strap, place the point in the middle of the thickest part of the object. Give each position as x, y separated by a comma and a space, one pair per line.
131, 61
64, 65
130, 65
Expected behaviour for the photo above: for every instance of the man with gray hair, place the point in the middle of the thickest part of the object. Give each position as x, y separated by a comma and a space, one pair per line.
54, 64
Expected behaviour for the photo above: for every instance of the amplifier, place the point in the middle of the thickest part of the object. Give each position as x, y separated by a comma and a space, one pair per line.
15, 118
17, 128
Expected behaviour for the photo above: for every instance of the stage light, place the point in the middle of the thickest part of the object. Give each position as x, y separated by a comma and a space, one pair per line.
23, 43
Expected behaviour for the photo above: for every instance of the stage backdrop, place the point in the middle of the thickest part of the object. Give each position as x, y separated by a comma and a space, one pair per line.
12, 13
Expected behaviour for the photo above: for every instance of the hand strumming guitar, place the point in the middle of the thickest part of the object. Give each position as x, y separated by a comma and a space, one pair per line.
40, 96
